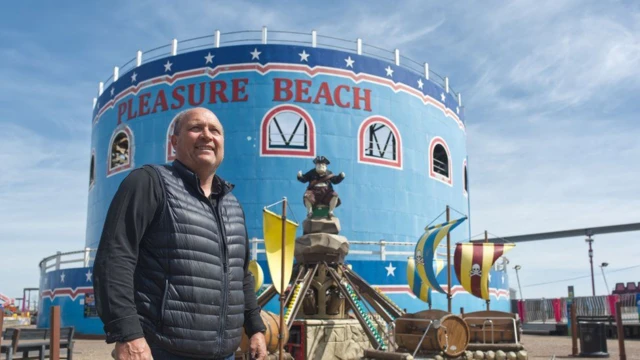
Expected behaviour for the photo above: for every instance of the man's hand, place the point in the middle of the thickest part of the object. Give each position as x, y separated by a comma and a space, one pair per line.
299, 174
258, 345
137, 349
342, 175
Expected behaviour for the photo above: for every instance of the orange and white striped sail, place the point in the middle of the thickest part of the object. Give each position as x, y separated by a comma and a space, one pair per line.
473, 261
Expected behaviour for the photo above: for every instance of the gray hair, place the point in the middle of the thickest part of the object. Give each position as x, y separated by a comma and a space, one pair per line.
177, 121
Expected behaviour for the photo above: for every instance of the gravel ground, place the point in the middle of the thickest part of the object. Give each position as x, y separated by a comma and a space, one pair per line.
538, 347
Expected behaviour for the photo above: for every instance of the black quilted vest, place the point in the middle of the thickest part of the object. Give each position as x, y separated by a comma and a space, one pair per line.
189, 275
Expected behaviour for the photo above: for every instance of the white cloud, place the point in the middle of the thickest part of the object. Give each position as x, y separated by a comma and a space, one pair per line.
43, 191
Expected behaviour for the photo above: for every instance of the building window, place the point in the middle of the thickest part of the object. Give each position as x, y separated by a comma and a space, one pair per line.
440, 161
120, 151
171, 152
379, 143
287, 130
92, 170
466, 179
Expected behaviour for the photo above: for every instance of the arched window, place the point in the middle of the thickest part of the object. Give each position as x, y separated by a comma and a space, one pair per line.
379, 142
120, 156
92, 169
440, 161
466, 179
287, 130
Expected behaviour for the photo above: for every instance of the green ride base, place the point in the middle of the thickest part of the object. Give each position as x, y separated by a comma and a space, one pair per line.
321, 212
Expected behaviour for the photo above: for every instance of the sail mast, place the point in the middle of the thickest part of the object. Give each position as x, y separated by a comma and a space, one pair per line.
486, 240
448, 265
282, 298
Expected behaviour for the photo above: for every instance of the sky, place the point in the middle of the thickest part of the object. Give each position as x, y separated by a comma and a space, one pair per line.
550, 92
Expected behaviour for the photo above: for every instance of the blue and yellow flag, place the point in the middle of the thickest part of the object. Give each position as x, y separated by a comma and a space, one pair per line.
426, 250
272, 227
417, 287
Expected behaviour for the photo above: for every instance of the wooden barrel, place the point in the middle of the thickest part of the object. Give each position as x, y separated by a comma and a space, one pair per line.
453, 332
272, 322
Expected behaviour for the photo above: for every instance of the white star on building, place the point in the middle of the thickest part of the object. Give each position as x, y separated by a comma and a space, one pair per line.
134, 76
167, 66
255, 54
88, 275
442, 97
62, 277
209, 58
391, 271
112, 91
304, 56
420, 83
389, 71
349, 62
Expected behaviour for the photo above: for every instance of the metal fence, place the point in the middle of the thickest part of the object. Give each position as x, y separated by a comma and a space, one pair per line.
543, 310
313, 39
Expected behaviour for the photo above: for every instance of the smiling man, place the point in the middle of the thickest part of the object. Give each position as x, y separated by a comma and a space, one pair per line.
171, 273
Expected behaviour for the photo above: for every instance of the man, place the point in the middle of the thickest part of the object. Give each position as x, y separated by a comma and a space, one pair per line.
171, 274
320, 189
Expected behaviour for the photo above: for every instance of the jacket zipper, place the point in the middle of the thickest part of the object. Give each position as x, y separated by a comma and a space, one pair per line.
225, 268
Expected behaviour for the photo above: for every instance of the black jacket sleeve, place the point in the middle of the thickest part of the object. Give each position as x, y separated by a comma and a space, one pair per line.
252, 320
132, 210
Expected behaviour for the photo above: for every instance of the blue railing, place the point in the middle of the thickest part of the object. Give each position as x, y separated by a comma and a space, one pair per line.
263, 36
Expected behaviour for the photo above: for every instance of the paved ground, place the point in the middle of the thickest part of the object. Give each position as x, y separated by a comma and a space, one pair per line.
545, 347
538, 347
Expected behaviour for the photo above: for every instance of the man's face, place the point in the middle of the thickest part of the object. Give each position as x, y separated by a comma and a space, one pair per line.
200, 141
321, 168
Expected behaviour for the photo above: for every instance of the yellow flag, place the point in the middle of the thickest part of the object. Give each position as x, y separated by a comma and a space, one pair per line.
272, 226
258, 275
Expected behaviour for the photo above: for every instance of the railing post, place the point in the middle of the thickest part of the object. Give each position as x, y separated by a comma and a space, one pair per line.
87, 256
1, 326
116, 73
623, 353
574, 330
138, 58
446, 84
54, 338
217, 38
100, 88
314, 36
460, 99
426, 71
254, 249
43, 269
383, 250
95, 101
264, 34
397, 56
174, 47
359, 46
58, 255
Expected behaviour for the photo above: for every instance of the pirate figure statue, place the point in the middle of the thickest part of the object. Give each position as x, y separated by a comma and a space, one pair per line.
320, 189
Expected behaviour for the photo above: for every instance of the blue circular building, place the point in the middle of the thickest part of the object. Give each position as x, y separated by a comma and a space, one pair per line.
394, 127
